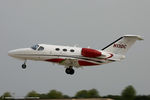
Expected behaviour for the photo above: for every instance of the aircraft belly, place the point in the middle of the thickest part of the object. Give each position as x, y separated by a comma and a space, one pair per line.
70, 62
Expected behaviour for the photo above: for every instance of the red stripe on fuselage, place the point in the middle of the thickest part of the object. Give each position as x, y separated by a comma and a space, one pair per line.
57, 60
110, 55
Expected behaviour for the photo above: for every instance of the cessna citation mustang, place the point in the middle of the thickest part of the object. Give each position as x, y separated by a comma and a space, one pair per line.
74, 56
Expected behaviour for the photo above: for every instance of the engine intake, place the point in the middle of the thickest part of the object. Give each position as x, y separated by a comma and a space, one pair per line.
87, 52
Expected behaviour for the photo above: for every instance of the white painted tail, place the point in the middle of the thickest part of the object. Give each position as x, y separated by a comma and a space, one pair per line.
121, 45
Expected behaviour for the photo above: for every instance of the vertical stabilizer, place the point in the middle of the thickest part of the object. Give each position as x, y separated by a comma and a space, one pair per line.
121, 45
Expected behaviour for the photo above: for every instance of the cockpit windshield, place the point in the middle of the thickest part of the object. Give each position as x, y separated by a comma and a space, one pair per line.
35, 47
40, 48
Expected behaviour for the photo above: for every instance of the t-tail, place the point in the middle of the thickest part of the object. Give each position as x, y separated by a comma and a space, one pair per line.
121, 45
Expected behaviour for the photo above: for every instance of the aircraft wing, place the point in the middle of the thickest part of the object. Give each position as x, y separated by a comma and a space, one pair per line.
70, 62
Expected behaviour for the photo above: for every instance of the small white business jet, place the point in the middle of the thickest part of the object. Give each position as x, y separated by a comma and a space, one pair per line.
74, 56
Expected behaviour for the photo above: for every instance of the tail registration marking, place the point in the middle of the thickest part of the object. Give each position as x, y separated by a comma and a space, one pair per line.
120, 46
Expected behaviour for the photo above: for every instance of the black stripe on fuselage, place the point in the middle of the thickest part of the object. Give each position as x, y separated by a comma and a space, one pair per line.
112, 43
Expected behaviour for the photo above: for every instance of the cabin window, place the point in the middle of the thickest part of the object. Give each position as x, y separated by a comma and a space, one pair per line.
65, 50
40, 48
57, 49
71, 50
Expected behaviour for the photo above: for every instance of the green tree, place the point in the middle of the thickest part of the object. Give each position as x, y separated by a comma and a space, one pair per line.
142, 97
114, 97
66, 97
7, 94
93, 93
82, 94
54, 94
32, 94
128, 93
43, 96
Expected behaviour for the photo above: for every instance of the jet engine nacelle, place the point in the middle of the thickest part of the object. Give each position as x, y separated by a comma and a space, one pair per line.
88, 52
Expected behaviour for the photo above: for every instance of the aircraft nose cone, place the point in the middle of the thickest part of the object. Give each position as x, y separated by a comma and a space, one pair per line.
19, 53
12, 53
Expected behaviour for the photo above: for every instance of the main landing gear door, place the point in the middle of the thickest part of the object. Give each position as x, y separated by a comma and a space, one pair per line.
70, 62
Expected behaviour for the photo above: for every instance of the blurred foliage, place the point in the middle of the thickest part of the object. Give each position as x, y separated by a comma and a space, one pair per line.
7, 94
142, 97
82, 94
43, 96
128, 93
93, 93
32, 94
114, 97
54, 94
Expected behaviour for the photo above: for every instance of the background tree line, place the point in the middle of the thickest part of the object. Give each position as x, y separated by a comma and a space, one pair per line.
129, 93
